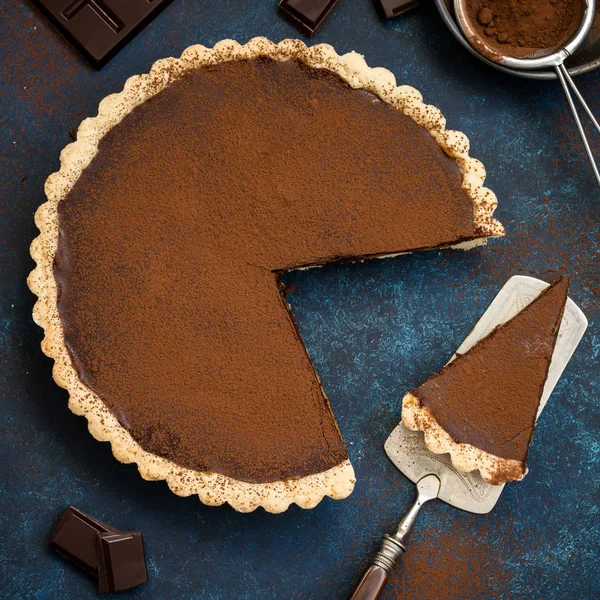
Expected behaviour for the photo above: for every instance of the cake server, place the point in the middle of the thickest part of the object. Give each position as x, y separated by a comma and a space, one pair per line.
434, 474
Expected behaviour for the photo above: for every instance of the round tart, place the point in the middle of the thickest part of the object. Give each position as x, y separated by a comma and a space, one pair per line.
168, 227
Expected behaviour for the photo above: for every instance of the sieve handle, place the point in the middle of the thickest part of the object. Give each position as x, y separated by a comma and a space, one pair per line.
567, 82
581, 100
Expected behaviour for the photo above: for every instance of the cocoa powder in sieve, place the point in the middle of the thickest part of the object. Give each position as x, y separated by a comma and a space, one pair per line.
519, 27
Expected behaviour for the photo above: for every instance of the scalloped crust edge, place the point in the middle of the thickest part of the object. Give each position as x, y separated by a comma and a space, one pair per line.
494, 469
213, 488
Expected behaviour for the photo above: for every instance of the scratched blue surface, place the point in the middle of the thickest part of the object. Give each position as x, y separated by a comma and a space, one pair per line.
374, 330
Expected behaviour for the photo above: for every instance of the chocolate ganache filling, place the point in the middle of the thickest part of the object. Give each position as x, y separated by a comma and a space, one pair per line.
173, 240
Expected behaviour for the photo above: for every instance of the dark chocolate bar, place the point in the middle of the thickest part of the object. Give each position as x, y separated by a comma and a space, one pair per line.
100, 28
76, 538
121, 561
392, 8
309, 15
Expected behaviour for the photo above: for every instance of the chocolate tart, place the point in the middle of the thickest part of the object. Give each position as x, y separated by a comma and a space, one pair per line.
481, 408
168, 227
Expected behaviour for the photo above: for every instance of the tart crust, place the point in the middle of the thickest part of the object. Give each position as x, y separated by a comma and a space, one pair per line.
213, 488
465, 457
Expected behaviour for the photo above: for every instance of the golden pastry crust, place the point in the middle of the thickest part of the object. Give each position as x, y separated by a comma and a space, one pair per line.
494, 469
213, 488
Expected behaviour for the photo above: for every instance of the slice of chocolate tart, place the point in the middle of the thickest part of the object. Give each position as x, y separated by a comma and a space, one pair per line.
482, 406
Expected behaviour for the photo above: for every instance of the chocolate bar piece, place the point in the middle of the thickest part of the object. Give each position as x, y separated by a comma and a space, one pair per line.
122, 564
76, 538
309, 15
100, 28
392, 8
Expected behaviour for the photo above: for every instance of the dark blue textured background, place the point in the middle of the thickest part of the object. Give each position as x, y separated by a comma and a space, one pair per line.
374, 330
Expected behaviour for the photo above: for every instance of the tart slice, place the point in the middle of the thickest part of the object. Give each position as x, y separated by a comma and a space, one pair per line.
482, 406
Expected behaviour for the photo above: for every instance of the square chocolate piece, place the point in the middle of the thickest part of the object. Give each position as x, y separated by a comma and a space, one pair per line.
393, 8
76, 538
100, 28
122, 564
309, 15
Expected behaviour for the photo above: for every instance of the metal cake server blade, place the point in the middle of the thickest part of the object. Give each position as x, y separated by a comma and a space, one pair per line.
434, 474
407, 449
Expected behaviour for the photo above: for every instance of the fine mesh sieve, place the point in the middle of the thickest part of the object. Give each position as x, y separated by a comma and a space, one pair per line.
540, 58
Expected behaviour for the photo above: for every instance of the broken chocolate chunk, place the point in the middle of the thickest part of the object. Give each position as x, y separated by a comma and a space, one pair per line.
100, 28
76, 538
121, 561
393, 8
309, 15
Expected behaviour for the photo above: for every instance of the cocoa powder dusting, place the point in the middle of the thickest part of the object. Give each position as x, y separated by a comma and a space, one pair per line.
173, 238
519, 27
458, 558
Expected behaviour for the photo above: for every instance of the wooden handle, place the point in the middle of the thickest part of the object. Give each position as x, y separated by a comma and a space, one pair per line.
371, 584
373, 581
